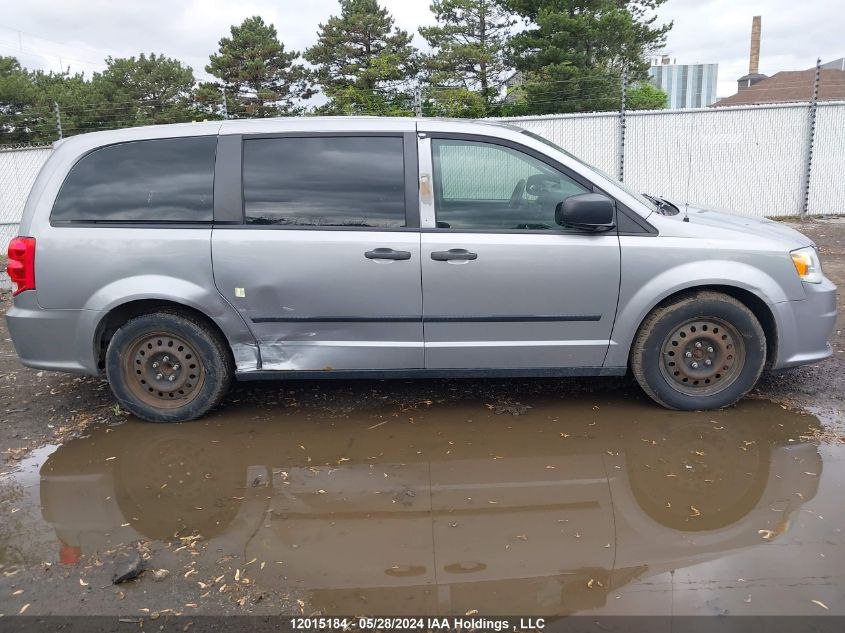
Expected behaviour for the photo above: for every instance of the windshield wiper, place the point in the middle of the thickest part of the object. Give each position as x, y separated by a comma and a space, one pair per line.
664, 207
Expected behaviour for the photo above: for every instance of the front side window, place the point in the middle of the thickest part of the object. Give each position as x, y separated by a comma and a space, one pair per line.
347, 181
486, 186
159, 180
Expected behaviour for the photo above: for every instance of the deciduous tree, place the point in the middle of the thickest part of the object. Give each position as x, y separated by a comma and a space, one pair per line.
646, 96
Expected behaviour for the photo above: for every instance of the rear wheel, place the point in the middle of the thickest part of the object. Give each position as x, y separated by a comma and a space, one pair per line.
705, 350
168, 367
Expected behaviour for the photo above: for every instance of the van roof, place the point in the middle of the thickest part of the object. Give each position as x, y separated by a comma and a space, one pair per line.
286, 124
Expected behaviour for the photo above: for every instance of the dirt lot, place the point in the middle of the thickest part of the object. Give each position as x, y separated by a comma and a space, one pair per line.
60, 430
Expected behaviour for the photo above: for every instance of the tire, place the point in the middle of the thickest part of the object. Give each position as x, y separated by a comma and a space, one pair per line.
168, 367
705, 350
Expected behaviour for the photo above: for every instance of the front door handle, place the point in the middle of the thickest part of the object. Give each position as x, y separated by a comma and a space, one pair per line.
453, 254
387, 253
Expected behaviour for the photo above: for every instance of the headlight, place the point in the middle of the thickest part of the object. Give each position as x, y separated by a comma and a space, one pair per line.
807, 264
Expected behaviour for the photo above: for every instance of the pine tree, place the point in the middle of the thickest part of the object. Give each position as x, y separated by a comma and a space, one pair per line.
469, 50
364, 63
28, 99
573, 52
20, 119
146, 90
259, 76
208, 101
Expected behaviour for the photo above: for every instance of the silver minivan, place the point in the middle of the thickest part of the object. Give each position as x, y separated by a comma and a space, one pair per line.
178, 258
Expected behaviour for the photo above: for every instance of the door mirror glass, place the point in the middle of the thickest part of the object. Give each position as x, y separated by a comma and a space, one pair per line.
589, 211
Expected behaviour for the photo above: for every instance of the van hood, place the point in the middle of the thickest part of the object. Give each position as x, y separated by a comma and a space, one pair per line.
745, 226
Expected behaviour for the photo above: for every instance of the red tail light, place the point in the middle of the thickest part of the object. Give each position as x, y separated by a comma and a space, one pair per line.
21, 264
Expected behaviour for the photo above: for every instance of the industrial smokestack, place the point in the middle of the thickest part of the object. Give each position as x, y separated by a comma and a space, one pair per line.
754, 58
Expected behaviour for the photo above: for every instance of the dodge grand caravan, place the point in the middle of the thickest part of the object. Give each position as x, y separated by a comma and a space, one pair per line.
178, 258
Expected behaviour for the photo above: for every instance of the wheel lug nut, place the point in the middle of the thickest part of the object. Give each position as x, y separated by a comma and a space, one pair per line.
171, 378
708, 362
688, 354
710, 349
175, 367
698, 344
155, 365
158, 376
694, 365
166, 358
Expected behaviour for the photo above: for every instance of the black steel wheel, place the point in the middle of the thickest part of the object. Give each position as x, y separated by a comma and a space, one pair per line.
705, 350
168, 367
702, 356
162, 370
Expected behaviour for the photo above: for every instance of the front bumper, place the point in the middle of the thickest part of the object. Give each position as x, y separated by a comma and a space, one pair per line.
805, 326
60, 340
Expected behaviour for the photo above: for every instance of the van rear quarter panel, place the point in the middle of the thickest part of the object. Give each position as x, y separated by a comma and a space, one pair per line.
98, 268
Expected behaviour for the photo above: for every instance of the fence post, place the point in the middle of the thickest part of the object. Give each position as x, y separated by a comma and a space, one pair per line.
811, 138
622, 105
58, 119
418, 102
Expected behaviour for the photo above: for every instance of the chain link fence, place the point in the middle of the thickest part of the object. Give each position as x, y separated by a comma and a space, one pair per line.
827, 174
18, 168
747, 159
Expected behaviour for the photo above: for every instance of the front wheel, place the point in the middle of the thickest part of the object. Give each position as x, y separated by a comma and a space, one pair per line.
168, 367
705, 350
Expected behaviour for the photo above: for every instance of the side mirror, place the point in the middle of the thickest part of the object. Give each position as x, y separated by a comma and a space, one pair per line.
589, 211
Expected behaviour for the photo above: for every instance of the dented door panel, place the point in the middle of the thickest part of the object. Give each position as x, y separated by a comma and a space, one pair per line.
315, 302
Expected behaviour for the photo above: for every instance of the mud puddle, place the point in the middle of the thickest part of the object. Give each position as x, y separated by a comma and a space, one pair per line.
540, 506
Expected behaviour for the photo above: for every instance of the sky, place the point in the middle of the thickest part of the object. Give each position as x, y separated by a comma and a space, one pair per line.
79, 34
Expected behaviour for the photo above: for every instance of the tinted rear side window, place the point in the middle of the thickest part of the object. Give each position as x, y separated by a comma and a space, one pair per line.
161, 180
325, 181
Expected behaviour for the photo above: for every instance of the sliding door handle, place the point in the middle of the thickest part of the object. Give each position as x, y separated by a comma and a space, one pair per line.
460, 254
387, 253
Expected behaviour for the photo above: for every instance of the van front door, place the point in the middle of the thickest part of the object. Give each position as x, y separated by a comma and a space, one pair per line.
504, 286
325, 268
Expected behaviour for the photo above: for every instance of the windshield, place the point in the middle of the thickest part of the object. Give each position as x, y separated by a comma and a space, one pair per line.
640, 197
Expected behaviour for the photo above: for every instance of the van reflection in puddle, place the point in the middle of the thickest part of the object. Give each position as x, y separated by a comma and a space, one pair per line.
448, 507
